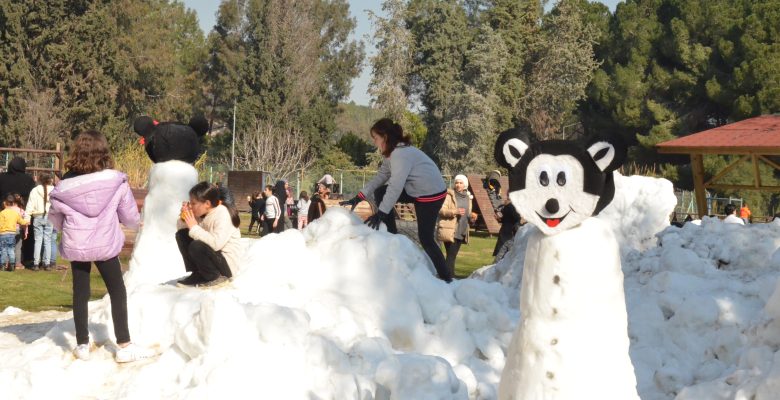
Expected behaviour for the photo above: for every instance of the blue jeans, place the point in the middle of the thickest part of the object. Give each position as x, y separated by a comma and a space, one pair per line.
53, 254
43, 232
7, 251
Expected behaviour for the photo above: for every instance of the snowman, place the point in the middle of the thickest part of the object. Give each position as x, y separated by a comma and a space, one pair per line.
572, 342
173, 147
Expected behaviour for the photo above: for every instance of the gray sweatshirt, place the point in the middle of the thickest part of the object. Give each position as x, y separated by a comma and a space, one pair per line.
407, 169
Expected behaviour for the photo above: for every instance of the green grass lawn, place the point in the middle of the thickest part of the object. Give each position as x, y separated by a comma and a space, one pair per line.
41, 290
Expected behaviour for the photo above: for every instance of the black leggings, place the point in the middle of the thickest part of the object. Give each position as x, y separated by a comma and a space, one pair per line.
427, 216
112, 276
255, 218
200, 258
452, 249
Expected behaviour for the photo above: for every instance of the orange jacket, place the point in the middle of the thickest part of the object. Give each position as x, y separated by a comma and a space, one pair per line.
744, 212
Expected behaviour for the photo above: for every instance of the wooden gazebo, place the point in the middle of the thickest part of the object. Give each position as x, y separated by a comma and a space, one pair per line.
753, 139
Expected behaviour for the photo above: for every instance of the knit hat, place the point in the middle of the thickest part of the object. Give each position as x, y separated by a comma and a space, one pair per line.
463, 179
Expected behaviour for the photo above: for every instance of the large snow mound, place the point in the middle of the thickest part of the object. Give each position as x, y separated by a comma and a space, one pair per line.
703, 301
339, 311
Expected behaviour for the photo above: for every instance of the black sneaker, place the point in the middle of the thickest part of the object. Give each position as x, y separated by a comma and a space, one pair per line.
190, 281
215, 283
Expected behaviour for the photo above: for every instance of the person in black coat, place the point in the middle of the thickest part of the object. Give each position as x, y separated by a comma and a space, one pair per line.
280, 191
16, 181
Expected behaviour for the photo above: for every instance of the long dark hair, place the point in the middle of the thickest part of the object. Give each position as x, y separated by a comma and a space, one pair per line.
216, 195
393, 134
45, 180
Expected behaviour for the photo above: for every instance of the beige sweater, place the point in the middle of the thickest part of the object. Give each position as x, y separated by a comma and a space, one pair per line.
217, 230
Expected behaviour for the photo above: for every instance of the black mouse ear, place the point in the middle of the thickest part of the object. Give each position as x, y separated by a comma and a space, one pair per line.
143, 125
608, 152
199, 124
509, 147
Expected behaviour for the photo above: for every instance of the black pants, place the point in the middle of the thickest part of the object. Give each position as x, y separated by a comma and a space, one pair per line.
200, 258
255, 218
268, 226
112, 276
452, 250
427, 216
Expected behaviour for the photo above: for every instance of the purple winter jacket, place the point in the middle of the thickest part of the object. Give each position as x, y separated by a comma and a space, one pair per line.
87, 209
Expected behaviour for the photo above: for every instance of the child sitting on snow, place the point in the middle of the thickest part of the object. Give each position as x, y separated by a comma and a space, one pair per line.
210, 244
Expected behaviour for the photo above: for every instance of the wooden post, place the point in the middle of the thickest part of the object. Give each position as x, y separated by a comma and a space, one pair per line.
756, 172
697, 162
58, 159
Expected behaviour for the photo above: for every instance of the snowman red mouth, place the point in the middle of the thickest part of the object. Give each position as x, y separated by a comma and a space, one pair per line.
553, 222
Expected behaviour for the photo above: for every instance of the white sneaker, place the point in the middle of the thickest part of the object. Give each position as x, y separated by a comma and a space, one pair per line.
82, 352
133, 352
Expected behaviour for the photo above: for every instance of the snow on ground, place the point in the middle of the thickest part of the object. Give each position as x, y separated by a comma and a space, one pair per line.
343, 312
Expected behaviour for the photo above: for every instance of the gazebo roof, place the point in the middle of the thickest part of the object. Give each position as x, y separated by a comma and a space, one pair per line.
759, 135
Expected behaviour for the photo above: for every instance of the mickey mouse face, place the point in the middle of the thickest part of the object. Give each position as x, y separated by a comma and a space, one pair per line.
165, 141
555, 185
553, 198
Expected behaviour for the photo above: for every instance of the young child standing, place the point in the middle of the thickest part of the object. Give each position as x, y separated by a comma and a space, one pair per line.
273, 212
10, 220
87, 207
210, 245
303, 209
38, 208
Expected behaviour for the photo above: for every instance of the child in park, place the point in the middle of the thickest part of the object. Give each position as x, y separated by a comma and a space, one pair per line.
87, 206
210, 245
38, 208
273, 212
10, 220
303, 209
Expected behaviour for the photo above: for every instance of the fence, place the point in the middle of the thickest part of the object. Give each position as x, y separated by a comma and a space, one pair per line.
37, 160
686, 204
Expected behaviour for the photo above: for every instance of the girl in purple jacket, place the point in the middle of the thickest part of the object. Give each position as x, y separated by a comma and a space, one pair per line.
87, 207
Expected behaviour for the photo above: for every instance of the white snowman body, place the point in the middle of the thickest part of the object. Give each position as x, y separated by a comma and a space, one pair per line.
572, 341
156, 258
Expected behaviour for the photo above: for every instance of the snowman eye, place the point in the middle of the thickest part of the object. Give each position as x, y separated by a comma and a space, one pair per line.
544, 180
561, 179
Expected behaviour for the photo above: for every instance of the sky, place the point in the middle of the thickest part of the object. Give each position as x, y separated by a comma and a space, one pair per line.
207, 10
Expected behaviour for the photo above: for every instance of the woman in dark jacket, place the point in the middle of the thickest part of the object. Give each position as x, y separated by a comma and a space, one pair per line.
280, 191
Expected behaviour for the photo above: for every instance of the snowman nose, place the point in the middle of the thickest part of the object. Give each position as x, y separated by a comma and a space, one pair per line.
552, 206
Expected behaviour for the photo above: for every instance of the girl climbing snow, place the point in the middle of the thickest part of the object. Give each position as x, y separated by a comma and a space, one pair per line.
210, 244
87, 207
410, 176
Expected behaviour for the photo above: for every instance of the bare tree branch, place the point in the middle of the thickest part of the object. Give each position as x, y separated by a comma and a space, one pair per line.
274, 147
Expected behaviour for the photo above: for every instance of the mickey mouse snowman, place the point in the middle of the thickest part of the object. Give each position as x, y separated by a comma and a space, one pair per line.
572, 342
173, 147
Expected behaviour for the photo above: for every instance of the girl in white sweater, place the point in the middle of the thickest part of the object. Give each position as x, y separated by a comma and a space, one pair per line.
38, 208
210, 246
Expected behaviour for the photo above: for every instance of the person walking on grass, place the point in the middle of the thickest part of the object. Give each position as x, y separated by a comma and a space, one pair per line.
10, 220
273, 213
211, 243
38, 209
257, 207
87, 207
454, 220
407, 175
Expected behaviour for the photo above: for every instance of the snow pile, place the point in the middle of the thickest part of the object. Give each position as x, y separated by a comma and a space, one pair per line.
703, 318
337, 312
